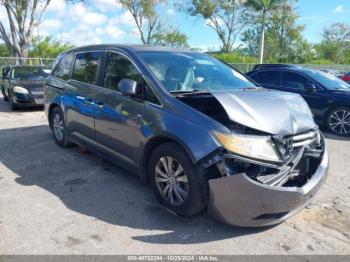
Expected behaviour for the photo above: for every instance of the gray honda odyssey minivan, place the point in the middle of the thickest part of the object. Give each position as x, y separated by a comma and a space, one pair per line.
202, 134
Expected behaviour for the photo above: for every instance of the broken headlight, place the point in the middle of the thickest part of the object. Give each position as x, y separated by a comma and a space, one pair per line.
257, 147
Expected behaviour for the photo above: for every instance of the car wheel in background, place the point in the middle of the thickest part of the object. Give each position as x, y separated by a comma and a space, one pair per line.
4, 95
59, 129
178, 184
338, 121
13, 105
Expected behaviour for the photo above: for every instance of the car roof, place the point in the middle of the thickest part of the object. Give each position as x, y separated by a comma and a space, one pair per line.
130, 48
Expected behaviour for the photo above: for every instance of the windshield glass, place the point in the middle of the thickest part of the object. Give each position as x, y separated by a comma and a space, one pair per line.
193, 72
29, 73
328, 80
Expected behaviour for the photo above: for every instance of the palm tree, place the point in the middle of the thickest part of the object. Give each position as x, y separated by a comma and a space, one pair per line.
263, 7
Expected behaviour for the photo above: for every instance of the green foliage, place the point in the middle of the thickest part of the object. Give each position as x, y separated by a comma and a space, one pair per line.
171, 38
48, 48
335, 45
226, 17
236, 57
4, 51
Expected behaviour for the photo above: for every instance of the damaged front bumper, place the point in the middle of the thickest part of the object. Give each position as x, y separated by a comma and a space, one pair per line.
242, 200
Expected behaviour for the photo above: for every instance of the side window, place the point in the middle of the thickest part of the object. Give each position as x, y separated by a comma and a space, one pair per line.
86, 67
62, 70
117, 68
268, 78
293, 80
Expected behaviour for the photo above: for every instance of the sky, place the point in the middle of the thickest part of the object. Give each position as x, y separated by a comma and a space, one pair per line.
105, 21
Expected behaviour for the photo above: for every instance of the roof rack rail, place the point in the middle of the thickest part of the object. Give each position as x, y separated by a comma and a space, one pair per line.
262, 66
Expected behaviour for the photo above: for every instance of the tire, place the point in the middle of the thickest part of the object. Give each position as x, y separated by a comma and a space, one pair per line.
59, 129
13, 105
196, 187
4, 95
338, 121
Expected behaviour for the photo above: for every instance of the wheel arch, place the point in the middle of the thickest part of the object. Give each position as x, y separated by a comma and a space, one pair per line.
51, 108
154, 143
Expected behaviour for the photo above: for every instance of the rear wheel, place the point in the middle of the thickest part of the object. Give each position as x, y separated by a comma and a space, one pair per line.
178, 184
59, 129
338, 121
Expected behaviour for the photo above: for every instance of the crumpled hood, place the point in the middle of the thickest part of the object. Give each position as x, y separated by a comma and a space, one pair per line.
269, 111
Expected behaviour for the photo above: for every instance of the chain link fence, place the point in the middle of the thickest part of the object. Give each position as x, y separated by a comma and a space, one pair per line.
244, 68
5, 61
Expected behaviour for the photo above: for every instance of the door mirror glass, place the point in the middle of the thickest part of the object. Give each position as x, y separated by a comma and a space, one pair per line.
128, 87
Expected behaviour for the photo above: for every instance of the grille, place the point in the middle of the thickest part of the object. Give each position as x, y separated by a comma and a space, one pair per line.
306, 139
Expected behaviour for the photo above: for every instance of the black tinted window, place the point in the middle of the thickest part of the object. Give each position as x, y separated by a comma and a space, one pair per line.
294, 80
86, 67
117, 68
268, 78
63, 68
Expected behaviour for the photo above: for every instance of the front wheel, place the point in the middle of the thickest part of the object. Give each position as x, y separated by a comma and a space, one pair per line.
338, 121
4, 95
178, 184
13, 105
59, 129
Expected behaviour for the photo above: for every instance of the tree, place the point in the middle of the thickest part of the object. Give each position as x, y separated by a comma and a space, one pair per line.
263, 7
23, 17
335, 45
171, 38
145, 16
47, 48
284, 42
226, 17
4, 51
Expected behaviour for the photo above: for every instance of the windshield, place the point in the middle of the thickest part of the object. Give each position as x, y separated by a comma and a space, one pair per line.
328, 80
29, 73
183, 72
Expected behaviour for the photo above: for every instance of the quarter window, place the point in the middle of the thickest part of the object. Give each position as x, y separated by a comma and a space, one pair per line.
86, 67
62, 70
293, 80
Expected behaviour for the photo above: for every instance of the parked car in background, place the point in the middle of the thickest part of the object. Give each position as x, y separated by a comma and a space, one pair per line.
200, 132
334, 72
346, 78
23, 86
327, 95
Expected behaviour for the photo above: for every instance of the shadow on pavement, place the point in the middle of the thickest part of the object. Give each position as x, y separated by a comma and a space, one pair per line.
96, 188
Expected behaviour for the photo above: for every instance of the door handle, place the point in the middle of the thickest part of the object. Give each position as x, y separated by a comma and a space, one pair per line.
80, 98
99, 105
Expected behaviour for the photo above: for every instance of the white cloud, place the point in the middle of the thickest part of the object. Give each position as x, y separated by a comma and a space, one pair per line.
77, 10
170, 11
51, 24
107, 5
125, 18
114, 32
208, 22
93, 18
57, 6
339, 9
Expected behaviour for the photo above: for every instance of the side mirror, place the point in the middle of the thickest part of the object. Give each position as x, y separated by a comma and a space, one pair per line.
311, 88
128, 87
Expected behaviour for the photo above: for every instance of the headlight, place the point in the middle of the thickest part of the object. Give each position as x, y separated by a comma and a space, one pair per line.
20, 90
258, 147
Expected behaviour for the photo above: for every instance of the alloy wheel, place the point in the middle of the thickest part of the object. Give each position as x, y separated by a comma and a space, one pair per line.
339, 122
58, 127
171, 180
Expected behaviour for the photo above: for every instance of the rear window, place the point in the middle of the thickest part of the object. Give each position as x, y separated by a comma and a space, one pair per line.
268, 78
86, 67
